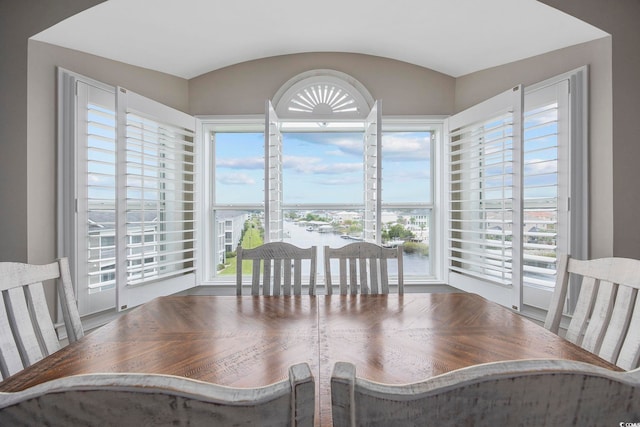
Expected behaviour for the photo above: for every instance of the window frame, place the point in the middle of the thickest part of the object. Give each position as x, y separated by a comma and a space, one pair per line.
534, 299
255, 123
75, 203
67, 190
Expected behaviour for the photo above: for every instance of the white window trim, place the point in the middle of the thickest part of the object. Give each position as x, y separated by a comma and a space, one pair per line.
206, 182
256, 123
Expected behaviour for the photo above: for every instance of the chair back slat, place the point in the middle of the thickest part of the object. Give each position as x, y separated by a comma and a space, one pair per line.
289, 281
523, 392
10, 360
281, 264
364, 281
366, 265
255, 276
375, 274
615, 334
24, 329
353, 275
68, 305
297, 275
384, 277
584, 306
606, 319
45, 331
27, 330
629, 356
271, 288
600, 317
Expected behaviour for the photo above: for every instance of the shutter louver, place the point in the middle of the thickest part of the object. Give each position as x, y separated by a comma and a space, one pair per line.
274, 217
101, 197
160, 200
544, 193
481, 199
372, 175
484, 227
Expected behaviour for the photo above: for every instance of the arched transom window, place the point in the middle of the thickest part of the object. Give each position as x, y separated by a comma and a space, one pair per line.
323, 94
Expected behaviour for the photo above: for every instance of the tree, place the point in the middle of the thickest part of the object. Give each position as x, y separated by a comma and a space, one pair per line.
397, 232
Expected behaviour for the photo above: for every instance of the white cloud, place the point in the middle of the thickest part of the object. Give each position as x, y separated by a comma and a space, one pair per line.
404, 148
337, 153
540, 166
235, 179
317, 165
340, 181
241, 163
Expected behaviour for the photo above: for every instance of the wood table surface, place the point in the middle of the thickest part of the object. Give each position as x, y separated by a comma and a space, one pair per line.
251, 341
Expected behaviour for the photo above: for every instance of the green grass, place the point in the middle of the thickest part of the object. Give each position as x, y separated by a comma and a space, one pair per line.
250, 240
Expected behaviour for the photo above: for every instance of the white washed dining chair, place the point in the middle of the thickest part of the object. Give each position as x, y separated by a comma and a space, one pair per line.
606, 319
367, 267
27, 333
282, 267
525, 393
121, 399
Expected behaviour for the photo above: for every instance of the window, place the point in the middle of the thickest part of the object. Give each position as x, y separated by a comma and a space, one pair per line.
486, 209
127, 192
309, 174
322, 183
514, 166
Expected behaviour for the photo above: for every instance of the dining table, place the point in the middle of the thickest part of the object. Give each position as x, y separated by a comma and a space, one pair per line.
251, 341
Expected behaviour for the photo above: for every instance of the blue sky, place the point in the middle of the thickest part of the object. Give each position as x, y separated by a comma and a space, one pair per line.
323, 167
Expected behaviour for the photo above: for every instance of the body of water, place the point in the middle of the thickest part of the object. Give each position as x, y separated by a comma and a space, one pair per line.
414, 264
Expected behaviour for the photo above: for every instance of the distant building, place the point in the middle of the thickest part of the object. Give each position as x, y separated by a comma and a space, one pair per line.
142, 246
228, 228
347, 216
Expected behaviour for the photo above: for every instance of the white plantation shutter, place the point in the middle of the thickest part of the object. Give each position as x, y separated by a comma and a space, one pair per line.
126, 216
157, 204
274, 217
373, 175
484, 158
555, 195
546, 186
93, 247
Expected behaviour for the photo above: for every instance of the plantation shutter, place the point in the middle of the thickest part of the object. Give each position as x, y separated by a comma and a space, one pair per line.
274, 217
373, 175
484, 157
156, 199
546, 190
89, 208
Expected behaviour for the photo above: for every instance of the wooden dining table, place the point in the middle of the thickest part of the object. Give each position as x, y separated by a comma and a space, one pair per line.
251, 341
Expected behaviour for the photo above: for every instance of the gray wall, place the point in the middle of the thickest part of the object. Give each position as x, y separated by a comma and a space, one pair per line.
19, 20
243, 88
473, 88
41, 119
621, 19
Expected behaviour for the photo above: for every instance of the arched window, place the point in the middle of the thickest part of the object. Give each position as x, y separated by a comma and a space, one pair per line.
324, 95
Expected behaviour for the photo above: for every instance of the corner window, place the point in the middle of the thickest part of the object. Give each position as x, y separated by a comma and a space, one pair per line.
516, 190
322, 184
127, 195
